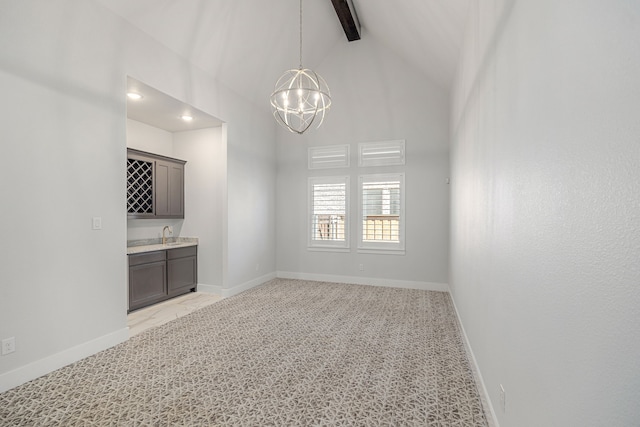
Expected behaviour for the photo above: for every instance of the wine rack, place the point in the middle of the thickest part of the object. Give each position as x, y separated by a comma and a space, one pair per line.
139, 187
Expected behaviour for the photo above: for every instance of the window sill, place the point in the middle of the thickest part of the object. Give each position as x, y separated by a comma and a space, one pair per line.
385, 251
327, 249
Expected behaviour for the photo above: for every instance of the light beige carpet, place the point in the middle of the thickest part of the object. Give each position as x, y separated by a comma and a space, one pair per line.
288, 353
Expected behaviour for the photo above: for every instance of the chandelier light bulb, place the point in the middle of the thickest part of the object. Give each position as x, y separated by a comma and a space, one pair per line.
312, 103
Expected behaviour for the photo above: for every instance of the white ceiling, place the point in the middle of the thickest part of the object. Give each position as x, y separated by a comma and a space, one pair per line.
248, 44
427, 33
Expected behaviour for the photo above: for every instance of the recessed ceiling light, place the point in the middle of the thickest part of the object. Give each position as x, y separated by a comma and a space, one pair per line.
186, 117
133, 95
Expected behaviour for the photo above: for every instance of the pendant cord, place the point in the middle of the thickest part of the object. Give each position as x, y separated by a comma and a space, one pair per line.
301, 34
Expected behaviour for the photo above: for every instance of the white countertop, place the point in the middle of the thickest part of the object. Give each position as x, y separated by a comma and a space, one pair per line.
140, 246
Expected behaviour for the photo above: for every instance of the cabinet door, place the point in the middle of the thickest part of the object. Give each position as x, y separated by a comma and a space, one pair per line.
169, 189
161, 189
181, 275
176, 190
147, 284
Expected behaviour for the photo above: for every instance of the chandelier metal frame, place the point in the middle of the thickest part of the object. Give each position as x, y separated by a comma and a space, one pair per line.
301, 96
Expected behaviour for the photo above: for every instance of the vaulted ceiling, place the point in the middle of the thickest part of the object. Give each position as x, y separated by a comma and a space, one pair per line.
247, 44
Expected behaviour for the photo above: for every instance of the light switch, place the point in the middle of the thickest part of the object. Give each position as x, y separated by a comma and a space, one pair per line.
96, 223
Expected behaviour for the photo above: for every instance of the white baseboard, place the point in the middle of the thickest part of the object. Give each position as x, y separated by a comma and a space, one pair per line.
41, 367
228, 292
210, 289
484, 395
406, 284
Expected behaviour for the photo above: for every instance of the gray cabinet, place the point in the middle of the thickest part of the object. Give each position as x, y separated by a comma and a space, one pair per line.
182, 270
155, 185
147, 279
160, 275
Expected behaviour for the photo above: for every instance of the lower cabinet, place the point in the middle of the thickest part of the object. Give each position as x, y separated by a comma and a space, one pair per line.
182, 270
160, 275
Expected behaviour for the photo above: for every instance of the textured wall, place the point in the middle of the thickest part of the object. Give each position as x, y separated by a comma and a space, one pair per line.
545, 222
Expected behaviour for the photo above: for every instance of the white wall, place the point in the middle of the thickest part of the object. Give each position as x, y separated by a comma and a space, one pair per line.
63, 68
205, 183
144, 137
205, 188
251, 194
63, 122
544, 230
376, 97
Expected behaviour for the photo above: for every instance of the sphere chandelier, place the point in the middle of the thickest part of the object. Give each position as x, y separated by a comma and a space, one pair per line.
301, 97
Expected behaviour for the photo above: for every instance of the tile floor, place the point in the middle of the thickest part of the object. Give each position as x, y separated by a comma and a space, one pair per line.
161, 313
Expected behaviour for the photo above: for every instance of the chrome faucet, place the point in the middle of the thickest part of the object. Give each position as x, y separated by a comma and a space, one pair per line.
164, 239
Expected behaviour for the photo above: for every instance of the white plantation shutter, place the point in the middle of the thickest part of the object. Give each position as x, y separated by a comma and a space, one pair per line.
381, 198
384, 153
333, 156
381, 203
328, 212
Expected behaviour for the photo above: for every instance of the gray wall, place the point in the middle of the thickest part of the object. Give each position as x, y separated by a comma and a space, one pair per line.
376, 96
63, 68
544, 230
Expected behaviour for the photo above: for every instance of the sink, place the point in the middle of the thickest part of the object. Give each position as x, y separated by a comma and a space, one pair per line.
174, 244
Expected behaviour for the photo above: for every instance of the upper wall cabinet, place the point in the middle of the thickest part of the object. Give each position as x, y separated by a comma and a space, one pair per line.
155, 185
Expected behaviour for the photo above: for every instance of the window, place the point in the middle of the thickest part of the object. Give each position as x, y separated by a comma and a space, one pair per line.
384, 153
332, 156
381, 202
328, 213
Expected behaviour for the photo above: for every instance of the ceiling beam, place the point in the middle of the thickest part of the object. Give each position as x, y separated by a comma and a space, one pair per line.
348, 18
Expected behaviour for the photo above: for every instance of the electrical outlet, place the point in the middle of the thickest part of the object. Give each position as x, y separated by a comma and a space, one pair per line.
503, 399
361, 267
8, 345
